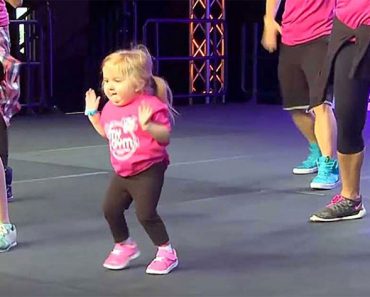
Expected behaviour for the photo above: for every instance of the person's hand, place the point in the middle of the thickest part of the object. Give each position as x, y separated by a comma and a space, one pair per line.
145, 112
270, 33
92, 102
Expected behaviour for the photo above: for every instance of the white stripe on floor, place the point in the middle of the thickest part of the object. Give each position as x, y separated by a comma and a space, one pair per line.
60, 177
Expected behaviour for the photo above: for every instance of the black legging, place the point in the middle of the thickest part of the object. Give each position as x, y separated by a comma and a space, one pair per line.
3, 142
351, 100
144, 189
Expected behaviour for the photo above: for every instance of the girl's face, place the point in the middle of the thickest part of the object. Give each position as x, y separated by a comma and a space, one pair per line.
117, 88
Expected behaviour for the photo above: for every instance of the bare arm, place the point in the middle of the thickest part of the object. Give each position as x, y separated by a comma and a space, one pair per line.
95, 121
272, 6
15, 3
159, 132
92, 104
271, 27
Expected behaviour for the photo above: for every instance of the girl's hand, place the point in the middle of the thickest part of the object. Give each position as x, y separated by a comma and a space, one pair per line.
92, 103
145, 112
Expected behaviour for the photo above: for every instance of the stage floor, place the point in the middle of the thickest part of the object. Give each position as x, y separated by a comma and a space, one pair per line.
235, 213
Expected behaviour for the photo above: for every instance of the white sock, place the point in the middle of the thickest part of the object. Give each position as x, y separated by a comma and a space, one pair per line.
128, 241
167, 247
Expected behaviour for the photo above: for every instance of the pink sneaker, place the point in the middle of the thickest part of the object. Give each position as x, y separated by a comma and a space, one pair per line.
163, 263
121, 256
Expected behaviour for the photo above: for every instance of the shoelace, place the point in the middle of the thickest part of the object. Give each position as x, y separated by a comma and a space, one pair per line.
3, 230
116, 252
336, 199
159, 259
160, 256
325, 169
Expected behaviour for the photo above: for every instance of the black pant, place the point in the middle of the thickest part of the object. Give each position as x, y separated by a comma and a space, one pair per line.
3, 142
144, 189
351, 99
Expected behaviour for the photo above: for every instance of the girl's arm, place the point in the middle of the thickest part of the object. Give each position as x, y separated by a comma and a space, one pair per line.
160, 132
91, 110
95, 121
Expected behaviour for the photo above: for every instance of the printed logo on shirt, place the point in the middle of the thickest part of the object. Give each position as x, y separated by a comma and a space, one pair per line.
123, 141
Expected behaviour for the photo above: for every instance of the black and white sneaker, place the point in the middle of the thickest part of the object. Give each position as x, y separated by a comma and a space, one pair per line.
340, 208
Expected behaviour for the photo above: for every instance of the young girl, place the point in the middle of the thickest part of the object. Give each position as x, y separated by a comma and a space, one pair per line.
136, 122
9, 89
8, 233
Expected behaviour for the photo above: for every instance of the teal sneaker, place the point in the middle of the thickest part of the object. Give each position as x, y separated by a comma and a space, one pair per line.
8, 237
310, 164
328, 174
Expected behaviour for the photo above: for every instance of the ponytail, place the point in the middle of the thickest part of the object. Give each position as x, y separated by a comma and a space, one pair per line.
164, 93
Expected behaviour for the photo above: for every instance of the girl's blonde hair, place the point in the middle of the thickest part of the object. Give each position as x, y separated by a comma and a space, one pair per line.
137, 65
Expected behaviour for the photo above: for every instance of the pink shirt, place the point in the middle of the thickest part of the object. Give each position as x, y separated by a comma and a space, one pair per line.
353, 13
133, 150
4, 17
306, 20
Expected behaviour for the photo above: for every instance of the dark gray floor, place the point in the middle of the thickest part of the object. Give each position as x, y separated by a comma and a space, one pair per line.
237, 216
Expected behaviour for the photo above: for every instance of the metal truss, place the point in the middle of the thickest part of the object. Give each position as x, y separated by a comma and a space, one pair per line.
207, 48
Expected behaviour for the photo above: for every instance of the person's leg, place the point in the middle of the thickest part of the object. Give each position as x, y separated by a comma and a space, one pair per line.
351, 113
304, 121
295, 94
3, 142
325, 123
10, 95
351, 110
4, 214
4, 147
326, 130
8, 233
145, 189
116, 202
350, 169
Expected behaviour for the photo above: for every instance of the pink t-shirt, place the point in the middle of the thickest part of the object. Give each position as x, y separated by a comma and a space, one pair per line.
353, 13
133, 150
4, 17
306, 20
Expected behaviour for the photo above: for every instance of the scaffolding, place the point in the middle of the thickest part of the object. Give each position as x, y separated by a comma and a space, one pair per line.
32, 28
207, 40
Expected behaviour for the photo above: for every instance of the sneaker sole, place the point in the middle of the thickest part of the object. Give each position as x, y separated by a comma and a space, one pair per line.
304, 171
122, 266
320, 186
9, 247
162, 272
360, 215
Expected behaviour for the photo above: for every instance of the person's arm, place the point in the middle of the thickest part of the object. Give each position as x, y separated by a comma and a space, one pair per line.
91, 110
271, 27
15, 3
160, 132
271, 8
95, 121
